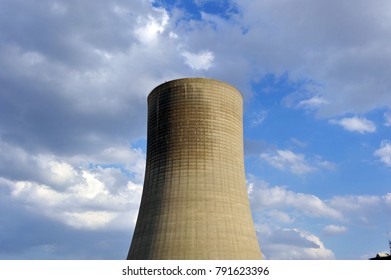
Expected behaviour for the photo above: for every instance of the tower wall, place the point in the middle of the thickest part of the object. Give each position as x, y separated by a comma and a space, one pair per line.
194, 203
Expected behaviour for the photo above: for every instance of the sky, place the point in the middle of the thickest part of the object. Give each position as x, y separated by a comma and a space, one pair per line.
314, 76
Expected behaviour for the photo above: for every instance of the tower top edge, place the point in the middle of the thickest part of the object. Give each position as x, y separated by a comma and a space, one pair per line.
195, 80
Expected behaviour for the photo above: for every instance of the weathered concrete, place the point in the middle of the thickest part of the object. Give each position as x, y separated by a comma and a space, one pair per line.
194, 203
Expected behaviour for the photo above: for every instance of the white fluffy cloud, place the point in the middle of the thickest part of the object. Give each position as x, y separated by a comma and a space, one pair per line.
357, 203
286, 159
72, 191
87, 204
280, 215
290, 244
150, 27
199, 61
356, 124
312, 103
387, 197
384, 152
334, 229
264, 197
295, 163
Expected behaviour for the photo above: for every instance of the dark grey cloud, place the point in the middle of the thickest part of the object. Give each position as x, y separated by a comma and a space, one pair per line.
66, 31
48, 58
75, 74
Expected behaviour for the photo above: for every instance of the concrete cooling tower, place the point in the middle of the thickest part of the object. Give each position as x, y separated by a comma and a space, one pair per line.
194, 203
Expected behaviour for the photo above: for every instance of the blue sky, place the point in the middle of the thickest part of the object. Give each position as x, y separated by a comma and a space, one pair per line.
314, 75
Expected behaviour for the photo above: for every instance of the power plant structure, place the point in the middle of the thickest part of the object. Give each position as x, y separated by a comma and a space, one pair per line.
194, 203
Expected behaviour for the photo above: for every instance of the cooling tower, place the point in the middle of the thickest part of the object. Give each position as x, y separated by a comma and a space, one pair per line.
194, 203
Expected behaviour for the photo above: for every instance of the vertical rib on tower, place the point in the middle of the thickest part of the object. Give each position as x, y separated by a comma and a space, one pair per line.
194, 203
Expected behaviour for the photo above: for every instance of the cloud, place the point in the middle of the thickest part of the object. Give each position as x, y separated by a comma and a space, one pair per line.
280, 216
280, 205
388, 198
384, 152
275, 208
251, 42
59, 171
290, 244
292, 237
85, 78
324, 164
387, 118
298, 142
286, 159
88, 204
313, 103
363, 210
295, 163
199, 61
150, 27
128, 33
353, 73
28, 235
356, 124
263, 197
88, 219
258, 118
334, 229
354, 203
71, 190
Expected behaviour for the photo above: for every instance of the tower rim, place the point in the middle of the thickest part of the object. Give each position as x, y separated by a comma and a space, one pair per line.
197, 79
